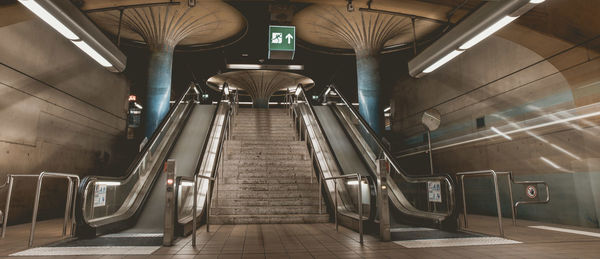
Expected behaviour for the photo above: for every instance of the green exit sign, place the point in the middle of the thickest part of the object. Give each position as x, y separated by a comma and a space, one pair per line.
282, 42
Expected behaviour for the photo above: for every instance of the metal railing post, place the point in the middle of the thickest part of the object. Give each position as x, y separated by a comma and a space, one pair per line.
36, 205
73, 220
194, 208
320, 179
336, 205
495, 177
360, 209
462, 186
208, 203
11, 181
512, 203
67, 206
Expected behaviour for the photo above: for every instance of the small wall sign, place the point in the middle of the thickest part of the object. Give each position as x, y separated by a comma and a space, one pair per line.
531, 191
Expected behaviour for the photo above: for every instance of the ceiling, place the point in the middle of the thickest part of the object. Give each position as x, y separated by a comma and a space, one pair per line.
571, 21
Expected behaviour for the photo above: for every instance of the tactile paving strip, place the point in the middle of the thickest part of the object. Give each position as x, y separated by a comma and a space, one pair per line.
447, 242
88, 250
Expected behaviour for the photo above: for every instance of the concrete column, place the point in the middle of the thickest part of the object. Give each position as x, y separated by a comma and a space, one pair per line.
159, 88
369, 89
260, 103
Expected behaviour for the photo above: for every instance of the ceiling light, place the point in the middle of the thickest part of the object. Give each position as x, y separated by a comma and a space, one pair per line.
108, 183
443, 61
243, 66
487, 32
92, 53
186, 183
34, 7
536, 1
387, 109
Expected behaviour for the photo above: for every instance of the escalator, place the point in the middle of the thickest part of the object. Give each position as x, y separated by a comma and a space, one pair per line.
350, 146
135, 205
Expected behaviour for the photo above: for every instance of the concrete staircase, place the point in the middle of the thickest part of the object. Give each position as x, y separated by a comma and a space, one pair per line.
266, 174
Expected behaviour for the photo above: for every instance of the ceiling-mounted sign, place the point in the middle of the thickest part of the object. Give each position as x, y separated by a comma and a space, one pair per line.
282, 42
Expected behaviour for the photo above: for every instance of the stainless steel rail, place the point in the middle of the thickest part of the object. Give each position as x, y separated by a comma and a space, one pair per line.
69, 206
511, 180
223, 135
310, 130
494, 175
516, 204
387, 155
360, 216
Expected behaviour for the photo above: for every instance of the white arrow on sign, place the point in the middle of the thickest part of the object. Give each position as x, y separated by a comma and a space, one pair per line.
289, 37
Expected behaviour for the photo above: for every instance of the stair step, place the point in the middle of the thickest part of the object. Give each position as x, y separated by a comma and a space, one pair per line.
264, 202
275, 210
269, 180
259, 156
307, 187
269, 219
267, 195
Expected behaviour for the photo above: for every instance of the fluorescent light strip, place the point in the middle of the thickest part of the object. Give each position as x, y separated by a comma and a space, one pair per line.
443, 61
487, 32
108, 183
243, 66
34, 7
537, 1
500, 133
92, 53
387, 109
186, 183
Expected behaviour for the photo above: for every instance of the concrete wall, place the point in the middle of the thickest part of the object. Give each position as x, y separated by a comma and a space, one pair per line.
59, 111
512, 87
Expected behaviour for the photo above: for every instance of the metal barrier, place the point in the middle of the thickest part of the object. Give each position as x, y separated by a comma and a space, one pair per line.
513, 205
360, 216
69, 206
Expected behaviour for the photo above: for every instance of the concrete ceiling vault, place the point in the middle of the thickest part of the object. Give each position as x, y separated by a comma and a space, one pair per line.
260, 84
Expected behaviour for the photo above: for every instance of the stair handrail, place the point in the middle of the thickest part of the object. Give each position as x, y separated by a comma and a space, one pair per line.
206, 141
387, 155
320, 127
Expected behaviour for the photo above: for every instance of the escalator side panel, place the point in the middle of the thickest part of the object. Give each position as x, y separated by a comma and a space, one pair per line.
342, 146
186, 150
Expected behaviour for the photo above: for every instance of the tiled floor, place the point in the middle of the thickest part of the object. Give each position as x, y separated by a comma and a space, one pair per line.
321, 241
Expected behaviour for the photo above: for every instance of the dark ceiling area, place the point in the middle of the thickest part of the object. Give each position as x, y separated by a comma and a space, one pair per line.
198, 66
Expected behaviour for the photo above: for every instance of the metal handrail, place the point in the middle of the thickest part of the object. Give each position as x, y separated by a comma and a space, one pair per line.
69, 206
319, 125
359, 198
207, 137
137, 161
516, 204
494, 175
513, 204
390, 158
225, 129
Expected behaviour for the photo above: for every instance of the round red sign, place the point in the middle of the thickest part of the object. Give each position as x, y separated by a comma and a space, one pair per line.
531, 191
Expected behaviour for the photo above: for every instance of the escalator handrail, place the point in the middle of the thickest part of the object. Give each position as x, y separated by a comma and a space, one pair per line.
388, 156
327, 142
133, 166
219, 147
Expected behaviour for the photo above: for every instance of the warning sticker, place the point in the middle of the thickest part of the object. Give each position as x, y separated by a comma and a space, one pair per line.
100, 195
435, 191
